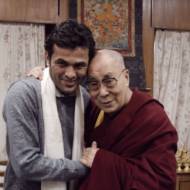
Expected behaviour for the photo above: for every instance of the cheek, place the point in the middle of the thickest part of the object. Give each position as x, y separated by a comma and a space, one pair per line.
54, 74
117, 97
93, 97
115, 93
57, 71
121, 99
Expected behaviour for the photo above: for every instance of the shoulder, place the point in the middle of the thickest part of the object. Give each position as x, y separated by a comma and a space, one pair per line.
23, 86
141, 100
26, 91
153, 116
147, 110
23, 97
149, 105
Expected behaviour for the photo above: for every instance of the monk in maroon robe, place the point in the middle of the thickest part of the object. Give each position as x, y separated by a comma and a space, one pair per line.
136, 140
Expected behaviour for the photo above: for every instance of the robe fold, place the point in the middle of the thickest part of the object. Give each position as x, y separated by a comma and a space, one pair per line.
137, 148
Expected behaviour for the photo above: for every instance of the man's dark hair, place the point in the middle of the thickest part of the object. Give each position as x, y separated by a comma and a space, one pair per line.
71, 34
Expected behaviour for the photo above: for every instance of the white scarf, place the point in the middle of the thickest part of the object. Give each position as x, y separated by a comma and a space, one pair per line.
53, 137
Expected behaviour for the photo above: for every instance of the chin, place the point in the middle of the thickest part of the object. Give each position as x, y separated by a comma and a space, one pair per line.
68, 90
109, 110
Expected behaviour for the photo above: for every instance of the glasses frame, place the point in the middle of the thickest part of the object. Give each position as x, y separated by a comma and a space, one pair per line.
102, 82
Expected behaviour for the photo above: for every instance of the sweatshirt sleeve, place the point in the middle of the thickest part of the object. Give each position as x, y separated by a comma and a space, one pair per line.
20, 113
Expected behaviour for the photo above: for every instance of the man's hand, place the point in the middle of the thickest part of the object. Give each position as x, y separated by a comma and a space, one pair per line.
36, 72
89, 155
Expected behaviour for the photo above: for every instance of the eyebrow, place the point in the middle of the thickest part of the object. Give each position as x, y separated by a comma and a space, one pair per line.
108, 75
62, 61
80, 63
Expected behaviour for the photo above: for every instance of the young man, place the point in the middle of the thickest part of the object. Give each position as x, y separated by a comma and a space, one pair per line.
136, 141
44, 119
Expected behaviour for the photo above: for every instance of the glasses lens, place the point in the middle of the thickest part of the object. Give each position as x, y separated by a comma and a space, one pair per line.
94, 85
109, 82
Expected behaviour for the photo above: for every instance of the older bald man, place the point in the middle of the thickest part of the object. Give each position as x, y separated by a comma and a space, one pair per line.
136, 141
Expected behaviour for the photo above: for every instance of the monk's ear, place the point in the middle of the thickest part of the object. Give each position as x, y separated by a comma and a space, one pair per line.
126, 73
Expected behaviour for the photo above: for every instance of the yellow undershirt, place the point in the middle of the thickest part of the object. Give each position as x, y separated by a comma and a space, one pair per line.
99, 119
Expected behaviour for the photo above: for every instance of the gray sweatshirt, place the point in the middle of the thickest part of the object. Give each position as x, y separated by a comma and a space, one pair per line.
25, 138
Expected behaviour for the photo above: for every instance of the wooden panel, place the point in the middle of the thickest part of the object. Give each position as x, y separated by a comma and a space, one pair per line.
184, 185
148, 43
40, 11
63, 10
183, 181
2, 171
171, 14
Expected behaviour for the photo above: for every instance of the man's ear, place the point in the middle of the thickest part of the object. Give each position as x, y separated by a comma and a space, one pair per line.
47, 60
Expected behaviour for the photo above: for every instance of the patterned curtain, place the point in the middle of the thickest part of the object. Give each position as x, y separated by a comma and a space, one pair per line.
172, 80
21, 48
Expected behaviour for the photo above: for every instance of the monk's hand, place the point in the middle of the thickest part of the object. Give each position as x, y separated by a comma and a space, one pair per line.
89, 154
36, 72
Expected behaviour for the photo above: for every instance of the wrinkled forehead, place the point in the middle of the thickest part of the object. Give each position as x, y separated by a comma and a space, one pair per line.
102, 70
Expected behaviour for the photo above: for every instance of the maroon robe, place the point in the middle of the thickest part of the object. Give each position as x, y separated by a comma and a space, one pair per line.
137, 148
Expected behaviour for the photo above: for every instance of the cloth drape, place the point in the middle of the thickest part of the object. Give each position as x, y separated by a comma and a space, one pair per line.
172, 80
21, 48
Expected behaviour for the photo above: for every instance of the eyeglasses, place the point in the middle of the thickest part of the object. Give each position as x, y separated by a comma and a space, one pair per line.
108, 82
